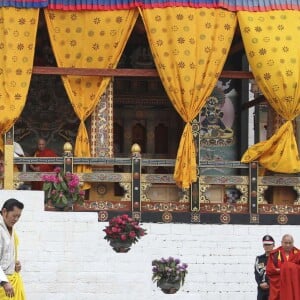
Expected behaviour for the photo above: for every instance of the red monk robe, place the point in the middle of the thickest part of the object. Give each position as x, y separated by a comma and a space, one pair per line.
277, 259
38, 185
290, 281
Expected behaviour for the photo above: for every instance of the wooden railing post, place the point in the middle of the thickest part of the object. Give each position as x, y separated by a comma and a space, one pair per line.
68, 158
194, 189
136, 180
253, 192
9, 160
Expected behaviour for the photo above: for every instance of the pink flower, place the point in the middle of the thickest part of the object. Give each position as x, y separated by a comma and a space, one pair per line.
132, 234
123, 237
57, 170
114, 229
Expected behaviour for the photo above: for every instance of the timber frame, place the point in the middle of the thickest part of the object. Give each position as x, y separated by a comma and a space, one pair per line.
193, 205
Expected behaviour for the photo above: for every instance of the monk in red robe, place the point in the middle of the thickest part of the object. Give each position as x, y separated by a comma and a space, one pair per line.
290, 281
42, 151
285, 254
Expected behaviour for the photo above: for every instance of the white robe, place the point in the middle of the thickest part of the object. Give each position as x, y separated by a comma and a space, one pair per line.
7, 252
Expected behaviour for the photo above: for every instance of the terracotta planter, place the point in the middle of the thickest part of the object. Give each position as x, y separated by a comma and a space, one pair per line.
169, 287
120, 246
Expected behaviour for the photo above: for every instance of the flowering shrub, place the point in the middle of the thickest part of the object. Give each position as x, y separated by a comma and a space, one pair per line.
169, 270
62, 189
123, 228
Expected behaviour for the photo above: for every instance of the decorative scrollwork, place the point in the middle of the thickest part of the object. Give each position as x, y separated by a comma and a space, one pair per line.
144, 187
167, 217
225, 218
254, 219
185, 196
279, 209
244, 193
102, 216
136, 215
202, 193
127, 188
297, 189
282, 219
224, 208
261, 194
195, 217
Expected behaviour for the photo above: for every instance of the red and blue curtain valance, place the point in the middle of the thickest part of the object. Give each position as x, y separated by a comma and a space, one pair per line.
24, 3
231, 5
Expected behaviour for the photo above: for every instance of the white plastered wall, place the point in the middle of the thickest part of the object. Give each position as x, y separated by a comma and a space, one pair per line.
64, 256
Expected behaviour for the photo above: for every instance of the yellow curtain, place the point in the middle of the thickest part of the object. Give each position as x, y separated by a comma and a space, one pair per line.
189, 46
272, 44
88, 39
18, 29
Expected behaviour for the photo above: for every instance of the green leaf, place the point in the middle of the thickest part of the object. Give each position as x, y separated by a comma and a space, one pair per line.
64, 200
47, 186
64, 186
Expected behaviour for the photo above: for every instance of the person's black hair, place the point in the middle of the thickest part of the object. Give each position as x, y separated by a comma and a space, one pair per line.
11, 203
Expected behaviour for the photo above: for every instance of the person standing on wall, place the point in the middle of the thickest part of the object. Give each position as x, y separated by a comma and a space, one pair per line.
277, 258
11, 284
260, 269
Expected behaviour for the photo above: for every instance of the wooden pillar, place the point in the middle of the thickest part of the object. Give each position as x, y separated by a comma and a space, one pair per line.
195, 187
9, 160
68, 158
102, 125
136, 178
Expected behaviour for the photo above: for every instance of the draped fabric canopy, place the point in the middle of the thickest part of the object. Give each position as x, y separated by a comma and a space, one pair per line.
231, 5
189, 65
18, 34
88, 40
271, 40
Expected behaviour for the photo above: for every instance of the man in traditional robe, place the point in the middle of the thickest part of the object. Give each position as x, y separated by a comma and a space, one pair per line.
42, 151
11, 284
277, 258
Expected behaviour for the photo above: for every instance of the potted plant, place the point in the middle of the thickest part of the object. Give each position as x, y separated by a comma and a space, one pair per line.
169, 274
62, 190
122, 232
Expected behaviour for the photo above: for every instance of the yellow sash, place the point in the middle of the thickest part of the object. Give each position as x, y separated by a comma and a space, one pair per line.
15, 280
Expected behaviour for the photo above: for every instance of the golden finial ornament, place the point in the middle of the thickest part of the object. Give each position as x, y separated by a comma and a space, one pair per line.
68, 147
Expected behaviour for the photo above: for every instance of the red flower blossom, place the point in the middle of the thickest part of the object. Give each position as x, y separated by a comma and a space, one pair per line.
124, 228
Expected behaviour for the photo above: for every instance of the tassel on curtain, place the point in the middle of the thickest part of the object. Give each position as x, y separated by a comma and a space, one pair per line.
271, 40
88, 39
189, 47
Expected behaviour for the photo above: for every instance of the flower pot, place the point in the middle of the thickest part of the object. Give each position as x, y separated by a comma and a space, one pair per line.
64, 207
120, 246
60, 206
169, 287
